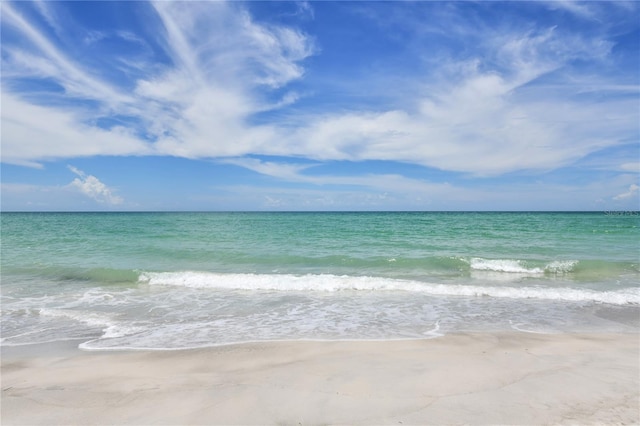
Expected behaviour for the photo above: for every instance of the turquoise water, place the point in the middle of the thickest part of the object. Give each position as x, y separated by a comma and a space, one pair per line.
174, 280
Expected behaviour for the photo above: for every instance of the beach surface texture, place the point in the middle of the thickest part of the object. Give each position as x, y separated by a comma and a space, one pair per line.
506, 378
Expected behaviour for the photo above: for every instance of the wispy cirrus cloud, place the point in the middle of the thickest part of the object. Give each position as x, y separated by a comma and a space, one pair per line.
291, 172
32, 133
45, 60
517, 103
489, 115
286, 171
481, 119
194, 106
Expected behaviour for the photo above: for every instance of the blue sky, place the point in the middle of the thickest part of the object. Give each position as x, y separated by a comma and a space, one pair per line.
320, 105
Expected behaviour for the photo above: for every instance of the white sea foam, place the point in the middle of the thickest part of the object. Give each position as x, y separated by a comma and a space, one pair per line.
532, 329
502, 265
110, 327
277, 282
332, 283
510, 270
561, 266
93, 319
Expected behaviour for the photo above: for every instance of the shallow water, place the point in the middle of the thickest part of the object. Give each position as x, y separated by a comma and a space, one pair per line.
175, 280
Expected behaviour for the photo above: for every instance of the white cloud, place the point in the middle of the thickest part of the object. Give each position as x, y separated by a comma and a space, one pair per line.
56, 65
304, 8
581, 9
633, 189
280, 170
32, 133
217, 43
221, 57
22, 197
477, 115
92, 187
480, 122
476, 127
378, 182
195, 108
591, 10
484, 121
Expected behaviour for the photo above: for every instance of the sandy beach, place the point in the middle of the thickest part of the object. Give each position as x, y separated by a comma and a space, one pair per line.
512, 378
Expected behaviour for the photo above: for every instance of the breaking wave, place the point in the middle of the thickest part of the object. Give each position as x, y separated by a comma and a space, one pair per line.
333, 283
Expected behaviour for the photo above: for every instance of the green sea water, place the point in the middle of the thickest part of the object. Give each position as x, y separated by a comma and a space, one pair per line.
167, 280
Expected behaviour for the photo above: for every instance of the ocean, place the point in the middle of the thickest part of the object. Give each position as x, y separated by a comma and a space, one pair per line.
161, 281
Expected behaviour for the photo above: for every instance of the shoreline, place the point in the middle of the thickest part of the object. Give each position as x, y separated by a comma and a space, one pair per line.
470, 378
74, 346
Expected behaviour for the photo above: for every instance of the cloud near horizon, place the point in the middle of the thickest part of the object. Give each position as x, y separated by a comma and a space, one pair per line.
92, 187
633, 189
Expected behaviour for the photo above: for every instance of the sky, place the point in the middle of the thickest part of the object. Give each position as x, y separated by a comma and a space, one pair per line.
322, 105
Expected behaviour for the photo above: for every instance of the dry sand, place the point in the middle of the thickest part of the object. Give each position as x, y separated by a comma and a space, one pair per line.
513, 378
